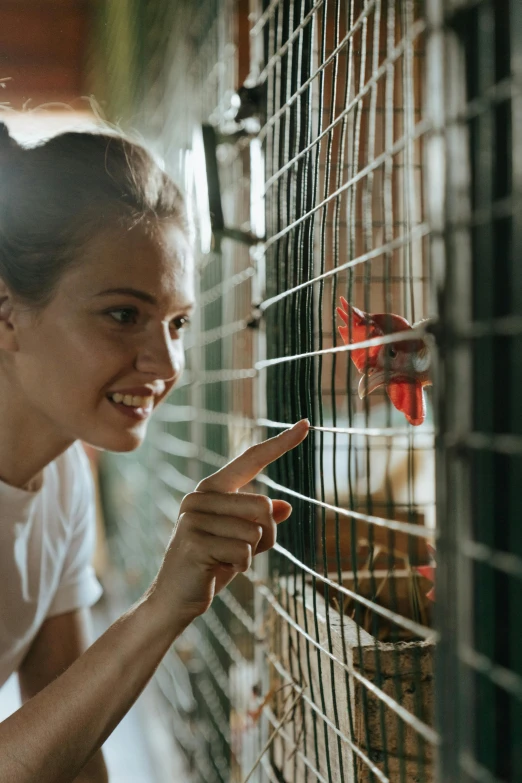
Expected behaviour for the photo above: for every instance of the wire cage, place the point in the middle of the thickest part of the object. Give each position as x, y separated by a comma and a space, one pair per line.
372, 157
480, 469
343, 136
189, 69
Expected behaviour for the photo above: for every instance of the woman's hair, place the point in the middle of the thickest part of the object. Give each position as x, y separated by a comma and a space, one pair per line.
55, 196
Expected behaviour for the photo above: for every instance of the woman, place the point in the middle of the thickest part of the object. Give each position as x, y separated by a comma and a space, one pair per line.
95, 290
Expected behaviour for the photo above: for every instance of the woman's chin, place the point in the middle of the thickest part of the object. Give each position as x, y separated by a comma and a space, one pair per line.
128, 440
126, 447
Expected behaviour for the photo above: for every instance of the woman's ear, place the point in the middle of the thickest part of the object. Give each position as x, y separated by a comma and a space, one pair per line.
8, 341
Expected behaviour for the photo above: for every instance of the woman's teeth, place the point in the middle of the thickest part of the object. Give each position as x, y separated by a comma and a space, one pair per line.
132, 400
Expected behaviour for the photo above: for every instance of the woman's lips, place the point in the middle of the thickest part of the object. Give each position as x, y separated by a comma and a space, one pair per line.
138, 413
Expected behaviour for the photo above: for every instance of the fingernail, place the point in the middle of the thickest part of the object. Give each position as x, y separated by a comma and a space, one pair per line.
301, 421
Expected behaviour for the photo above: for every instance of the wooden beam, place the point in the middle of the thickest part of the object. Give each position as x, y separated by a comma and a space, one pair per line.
43, 49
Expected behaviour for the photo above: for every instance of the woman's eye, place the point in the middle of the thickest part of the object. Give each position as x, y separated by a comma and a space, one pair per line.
124, 315
180, 323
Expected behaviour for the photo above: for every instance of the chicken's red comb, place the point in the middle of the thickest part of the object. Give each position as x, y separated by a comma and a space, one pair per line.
365, 326
362, 327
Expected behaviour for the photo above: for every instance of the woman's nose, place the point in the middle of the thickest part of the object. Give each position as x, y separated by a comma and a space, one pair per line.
160, 355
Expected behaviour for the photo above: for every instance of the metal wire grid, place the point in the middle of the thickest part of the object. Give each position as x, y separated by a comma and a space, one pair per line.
481, 544
338, 130
206, 681
219, 388
343, 141
321, 187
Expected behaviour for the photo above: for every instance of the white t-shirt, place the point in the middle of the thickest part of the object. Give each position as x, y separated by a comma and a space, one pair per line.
46, 546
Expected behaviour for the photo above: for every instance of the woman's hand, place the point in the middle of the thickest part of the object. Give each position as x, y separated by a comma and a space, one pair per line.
53, 736
220, 529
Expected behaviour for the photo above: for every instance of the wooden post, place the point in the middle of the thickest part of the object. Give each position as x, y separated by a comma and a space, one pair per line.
405, 675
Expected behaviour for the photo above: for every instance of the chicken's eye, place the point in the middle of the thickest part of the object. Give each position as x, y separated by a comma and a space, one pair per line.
391, 351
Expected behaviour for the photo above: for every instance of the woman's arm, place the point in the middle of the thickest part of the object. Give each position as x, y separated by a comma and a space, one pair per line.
51, 737
59, 642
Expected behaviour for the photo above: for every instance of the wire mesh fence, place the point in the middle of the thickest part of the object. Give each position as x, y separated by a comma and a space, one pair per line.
190, 62
319, 664
480, 542
344, 138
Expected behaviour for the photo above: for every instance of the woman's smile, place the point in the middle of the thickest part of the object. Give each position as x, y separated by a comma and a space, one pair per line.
137, 402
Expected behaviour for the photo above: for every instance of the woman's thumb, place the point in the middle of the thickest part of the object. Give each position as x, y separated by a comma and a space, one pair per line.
281, 510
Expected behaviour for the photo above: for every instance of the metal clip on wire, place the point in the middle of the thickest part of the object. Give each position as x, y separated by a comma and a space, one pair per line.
217, 220
255, 317
251, 100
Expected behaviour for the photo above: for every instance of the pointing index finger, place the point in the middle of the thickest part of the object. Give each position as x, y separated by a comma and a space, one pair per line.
245, 468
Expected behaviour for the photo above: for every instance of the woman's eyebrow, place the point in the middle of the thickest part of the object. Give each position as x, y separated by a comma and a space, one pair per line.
139, 294
136, 292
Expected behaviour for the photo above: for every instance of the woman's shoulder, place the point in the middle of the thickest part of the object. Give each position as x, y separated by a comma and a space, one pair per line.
74, 478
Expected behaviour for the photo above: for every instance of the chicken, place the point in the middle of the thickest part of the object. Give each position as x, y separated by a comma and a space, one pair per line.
402, 367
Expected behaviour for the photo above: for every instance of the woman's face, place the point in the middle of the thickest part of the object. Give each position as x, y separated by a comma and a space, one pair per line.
108, 348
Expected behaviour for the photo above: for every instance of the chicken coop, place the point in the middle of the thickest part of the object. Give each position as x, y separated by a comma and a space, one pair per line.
361, 155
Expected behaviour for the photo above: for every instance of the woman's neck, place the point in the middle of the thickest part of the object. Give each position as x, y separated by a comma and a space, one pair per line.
28, 442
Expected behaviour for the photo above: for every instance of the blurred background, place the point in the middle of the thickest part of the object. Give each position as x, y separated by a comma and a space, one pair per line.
360, 148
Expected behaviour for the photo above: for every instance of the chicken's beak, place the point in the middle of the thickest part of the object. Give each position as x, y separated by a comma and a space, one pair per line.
372, 379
